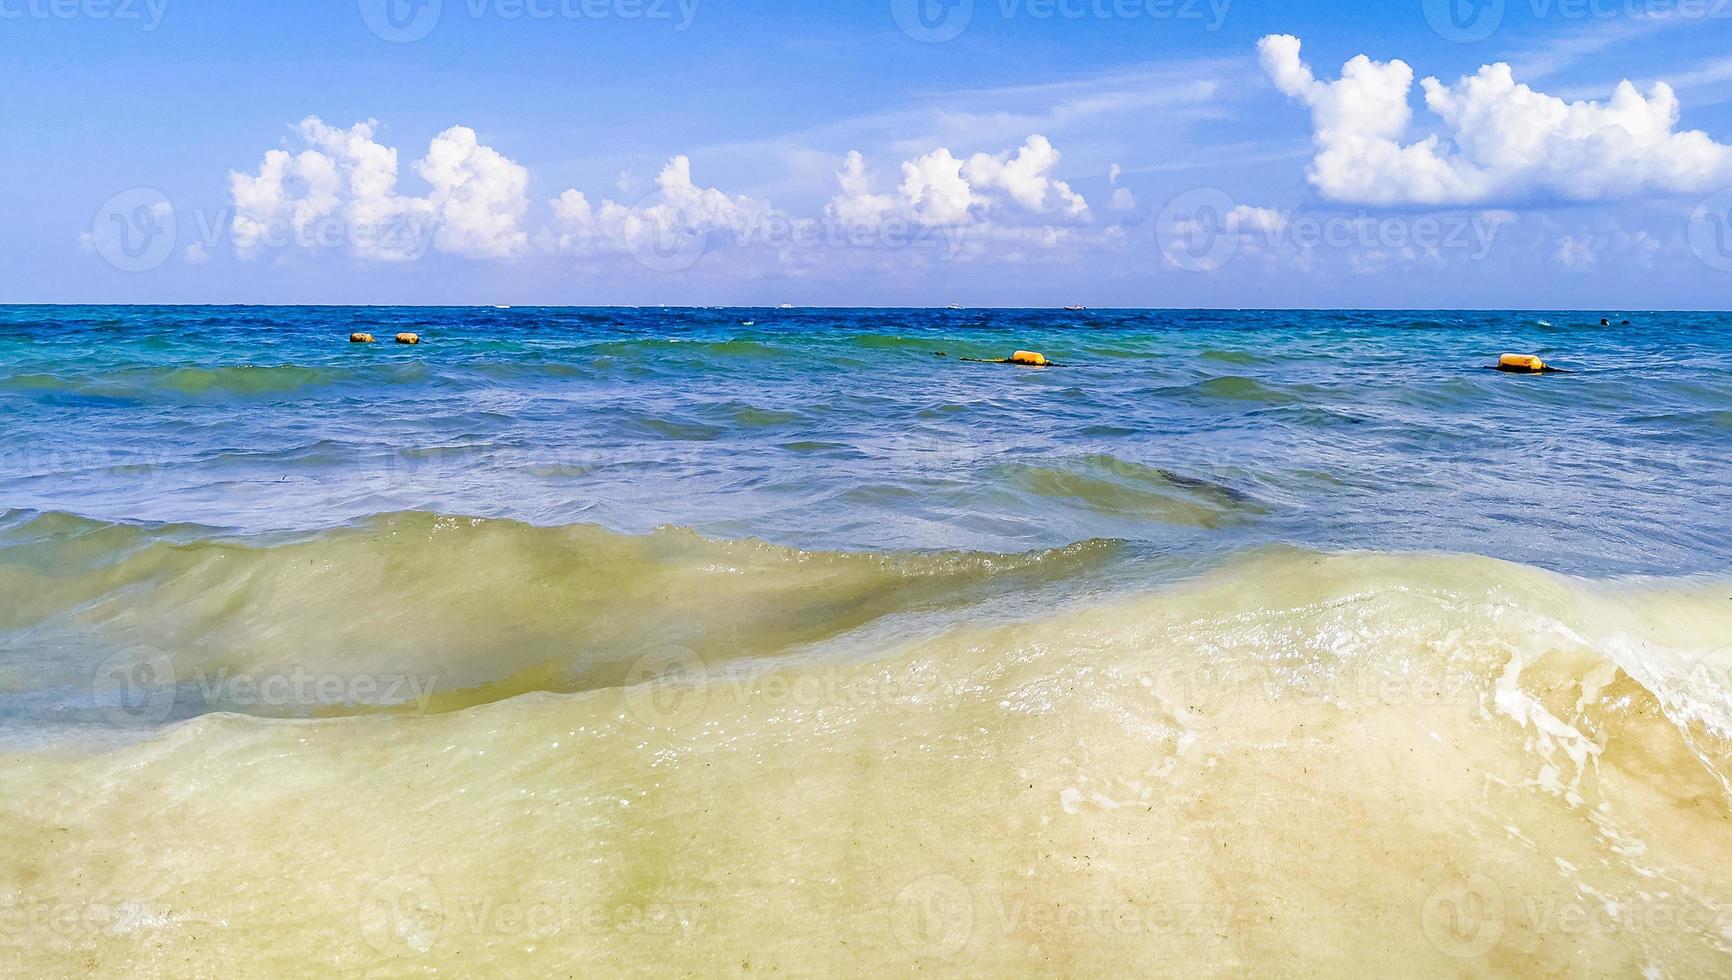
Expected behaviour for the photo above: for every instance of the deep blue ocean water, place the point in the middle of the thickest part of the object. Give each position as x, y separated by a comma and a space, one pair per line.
1176, 432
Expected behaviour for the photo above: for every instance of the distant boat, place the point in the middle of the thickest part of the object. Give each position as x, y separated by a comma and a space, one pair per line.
1076, 309
786, 306
953, 306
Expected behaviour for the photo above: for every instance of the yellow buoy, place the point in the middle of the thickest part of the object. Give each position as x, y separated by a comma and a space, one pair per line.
360, 338
1022, 358
408, 338
1522, 364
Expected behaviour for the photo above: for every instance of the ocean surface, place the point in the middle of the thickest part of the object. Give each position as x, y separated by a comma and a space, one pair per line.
719, 642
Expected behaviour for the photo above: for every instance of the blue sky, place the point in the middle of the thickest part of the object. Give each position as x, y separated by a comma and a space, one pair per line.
1011, 152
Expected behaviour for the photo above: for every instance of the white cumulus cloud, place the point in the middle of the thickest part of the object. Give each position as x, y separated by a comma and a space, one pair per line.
1014, 188
1502, 141
677, 210
1247, 220
1007, 207
1582, 250
478, 196
339, 190
1123, 199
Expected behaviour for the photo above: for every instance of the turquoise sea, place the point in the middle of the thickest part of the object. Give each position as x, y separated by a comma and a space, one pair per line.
730, 641
1173, 431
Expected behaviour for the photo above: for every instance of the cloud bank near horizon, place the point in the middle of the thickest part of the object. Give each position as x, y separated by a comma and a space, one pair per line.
1496, 145
337, 190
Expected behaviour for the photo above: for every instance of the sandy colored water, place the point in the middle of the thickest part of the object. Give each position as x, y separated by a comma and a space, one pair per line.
1295, 764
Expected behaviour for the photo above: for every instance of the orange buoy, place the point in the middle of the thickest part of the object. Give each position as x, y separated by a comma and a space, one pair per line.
1522, 364
360, 338
408, 338
1022, 358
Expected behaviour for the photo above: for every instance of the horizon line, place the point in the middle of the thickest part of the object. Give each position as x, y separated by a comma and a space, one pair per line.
502, 308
